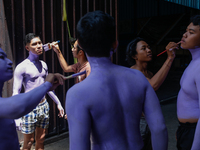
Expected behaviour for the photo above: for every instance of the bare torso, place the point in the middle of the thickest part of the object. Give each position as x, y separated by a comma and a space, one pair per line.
109, 103
188, 97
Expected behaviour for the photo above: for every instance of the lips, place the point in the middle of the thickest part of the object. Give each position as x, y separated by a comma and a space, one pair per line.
10, 69
182, 41
39, 50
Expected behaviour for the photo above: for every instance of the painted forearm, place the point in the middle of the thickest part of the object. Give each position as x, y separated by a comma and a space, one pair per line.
21, 104
54, 97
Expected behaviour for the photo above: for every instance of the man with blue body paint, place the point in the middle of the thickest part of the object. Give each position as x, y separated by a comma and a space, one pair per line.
104, 110
188, 101
16, 106
31, 73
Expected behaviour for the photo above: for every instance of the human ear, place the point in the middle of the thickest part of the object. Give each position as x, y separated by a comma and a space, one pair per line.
27, 48
80, 52
134, 57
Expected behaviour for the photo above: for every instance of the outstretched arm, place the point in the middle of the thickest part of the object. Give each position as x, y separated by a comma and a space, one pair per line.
62, 61
19, 105
160, 76
155, 120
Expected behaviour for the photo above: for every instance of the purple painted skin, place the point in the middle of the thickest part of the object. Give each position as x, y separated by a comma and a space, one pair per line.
188, 100
104, 110
32, 73
15, 106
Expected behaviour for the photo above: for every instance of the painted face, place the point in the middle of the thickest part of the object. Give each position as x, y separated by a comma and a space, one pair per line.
75, 50
35, 46
191, 38
5, 67
143, 52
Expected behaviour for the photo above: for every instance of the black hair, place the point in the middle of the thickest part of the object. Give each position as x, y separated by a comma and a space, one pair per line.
195, 20
131, 50
29, 37
96, 33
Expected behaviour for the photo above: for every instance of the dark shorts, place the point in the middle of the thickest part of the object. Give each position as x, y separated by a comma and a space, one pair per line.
146, 134
185, 135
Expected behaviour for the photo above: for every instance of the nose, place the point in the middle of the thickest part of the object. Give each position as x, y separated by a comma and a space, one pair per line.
184, 34
148, 50
39, 45
9, 62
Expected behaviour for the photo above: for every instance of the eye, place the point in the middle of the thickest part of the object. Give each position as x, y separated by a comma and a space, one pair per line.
34, 44
2, 57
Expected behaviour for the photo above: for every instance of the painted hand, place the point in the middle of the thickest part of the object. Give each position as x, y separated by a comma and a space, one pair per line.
61, 110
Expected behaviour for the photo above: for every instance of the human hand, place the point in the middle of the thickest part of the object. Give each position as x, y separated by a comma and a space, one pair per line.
61, 110
171, 49
55, 47
55, 79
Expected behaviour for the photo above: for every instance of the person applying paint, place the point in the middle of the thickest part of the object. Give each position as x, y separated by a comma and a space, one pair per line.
138, 55
188, 100
80, 66
17, 106
31, 73
105, 114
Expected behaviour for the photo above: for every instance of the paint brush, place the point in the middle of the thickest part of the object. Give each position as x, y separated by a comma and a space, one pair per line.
166, 50
75, 75
48, 46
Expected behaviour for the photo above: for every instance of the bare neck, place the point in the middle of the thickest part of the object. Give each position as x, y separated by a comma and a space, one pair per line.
82, 60
141, 66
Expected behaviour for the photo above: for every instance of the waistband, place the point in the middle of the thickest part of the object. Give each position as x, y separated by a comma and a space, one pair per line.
42, 102
187, 124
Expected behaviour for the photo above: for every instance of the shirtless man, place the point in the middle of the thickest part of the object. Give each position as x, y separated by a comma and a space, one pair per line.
138, 55
80, 66
188, 101
31, 73
16, 106
105, 114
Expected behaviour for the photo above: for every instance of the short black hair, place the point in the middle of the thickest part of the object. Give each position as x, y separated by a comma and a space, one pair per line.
195, 20
131, 50
29, 37
96, 33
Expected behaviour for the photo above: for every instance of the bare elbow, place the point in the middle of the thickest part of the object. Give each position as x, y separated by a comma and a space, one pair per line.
155, 86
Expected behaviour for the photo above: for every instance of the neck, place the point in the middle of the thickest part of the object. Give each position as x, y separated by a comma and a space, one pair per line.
82, 60
195, 53
142, 66
96, 62
33, 57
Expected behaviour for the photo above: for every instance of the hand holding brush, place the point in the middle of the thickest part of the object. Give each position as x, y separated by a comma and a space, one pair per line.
172, 46
48, 46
